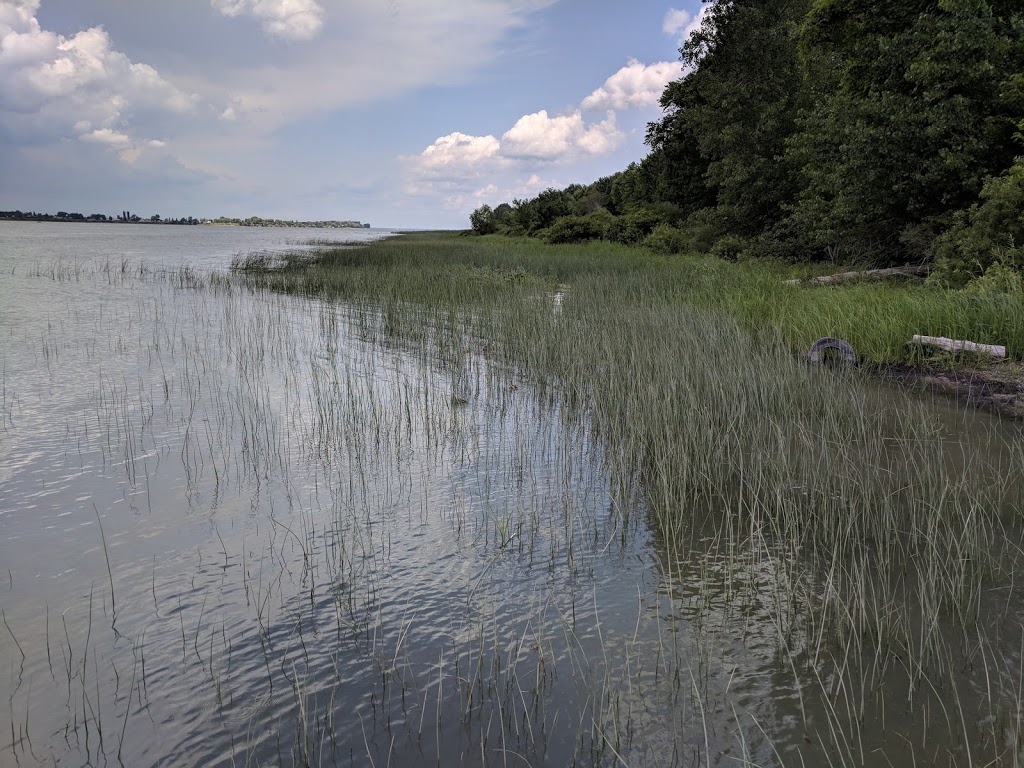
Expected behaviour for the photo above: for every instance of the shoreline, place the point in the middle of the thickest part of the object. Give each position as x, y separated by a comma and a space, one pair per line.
193, 222
998, 388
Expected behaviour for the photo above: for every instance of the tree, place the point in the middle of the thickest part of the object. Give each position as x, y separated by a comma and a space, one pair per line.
503, 214
989, 234
722, 140
531, 216
483, 220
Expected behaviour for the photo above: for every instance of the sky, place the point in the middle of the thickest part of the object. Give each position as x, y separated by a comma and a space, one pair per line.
400, 113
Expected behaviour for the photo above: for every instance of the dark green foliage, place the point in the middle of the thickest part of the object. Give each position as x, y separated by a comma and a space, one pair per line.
503, 214
914, 105
632, 228
729, 247
483, 221
987, 240
636, 187
531, 216
667, 239
576, 229
726, 124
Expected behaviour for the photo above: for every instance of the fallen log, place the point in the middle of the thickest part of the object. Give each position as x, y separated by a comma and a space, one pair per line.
868, 274
954, 345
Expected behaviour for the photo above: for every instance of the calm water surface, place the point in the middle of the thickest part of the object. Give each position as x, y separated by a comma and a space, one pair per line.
247, 529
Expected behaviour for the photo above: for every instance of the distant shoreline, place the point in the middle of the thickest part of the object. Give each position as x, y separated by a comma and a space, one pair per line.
128, 218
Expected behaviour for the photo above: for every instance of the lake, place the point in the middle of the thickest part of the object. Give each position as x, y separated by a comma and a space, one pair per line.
246, 528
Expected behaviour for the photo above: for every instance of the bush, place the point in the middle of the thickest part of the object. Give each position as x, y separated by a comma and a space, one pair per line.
988, 234
705, 227
632, 228
667, 239
574, 229
729, 247
998, 278
482, 221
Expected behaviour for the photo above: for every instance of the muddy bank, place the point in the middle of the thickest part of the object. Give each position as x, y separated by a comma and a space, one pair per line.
998, 387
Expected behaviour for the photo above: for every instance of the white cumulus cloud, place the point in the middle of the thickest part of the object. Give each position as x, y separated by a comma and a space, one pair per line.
55, 87
18, 13
459, 152
127, 148
682, 23
541, 137
453, 167
537, 137
635, 85
52, 83
289, 19
456, 164
675, 21
107, 137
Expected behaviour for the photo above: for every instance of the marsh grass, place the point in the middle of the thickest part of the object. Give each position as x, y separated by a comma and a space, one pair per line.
421, 482
306, 447
890, 548
878, 319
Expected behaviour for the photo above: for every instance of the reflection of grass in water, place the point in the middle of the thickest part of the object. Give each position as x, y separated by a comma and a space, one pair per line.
783, 505
882, 553
351, 413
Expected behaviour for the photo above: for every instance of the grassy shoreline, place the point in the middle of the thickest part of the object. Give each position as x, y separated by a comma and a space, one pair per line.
877, 318
893, 544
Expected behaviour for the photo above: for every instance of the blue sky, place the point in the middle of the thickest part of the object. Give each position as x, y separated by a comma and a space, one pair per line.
405, 113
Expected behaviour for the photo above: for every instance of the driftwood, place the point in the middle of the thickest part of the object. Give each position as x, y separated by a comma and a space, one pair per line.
953, 345
869, 274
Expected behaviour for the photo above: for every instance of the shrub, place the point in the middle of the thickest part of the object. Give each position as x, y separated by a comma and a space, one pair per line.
574, 229
987, 234
998, 278
667, 239
482, 220
729, 247
705, 227
632, 228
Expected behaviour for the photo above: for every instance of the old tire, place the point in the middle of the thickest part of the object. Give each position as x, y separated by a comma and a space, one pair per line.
829, 351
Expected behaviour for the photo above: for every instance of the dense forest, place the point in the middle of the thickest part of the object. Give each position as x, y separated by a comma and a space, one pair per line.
881, 133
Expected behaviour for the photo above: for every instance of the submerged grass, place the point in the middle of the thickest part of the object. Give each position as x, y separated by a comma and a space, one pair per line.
891, 550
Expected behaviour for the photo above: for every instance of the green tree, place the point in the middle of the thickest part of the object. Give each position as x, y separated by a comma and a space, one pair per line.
531, 216
483, 220
503, 214
990, 234
914, 106
722, 140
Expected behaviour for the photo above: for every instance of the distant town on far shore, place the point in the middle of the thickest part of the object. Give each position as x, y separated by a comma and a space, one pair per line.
127, 217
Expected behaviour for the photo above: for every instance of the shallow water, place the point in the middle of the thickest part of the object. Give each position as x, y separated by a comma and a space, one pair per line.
248, 529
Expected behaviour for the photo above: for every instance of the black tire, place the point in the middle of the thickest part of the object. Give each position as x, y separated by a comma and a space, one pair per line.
841, 352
